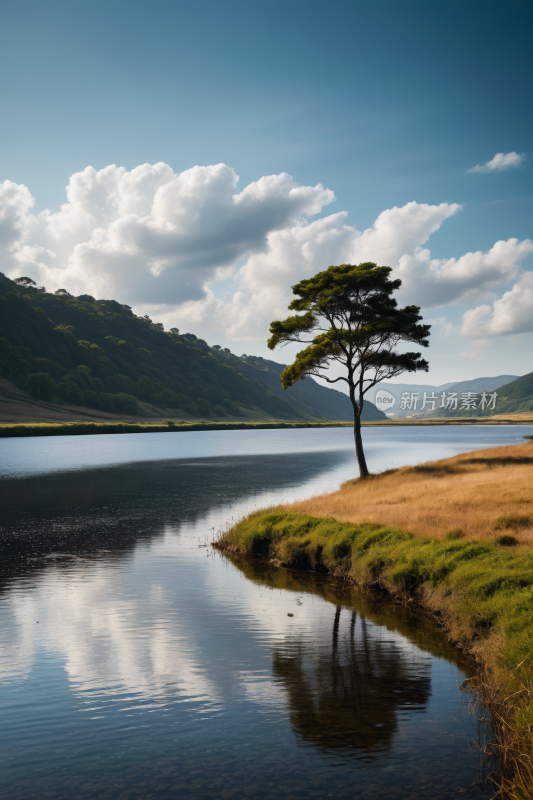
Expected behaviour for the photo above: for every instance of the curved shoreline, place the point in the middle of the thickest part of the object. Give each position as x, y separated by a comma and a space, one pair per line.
481, 592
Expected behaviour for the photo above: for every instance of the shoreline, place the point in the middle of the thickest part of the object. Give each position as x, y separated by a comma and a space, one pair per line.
512, 746
94, 428
479, 591
18, 429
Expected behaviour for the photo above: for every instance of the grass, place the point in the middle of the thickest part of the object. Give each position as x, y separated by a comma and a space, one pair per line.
477, 493
513, 521
437, 548
81, 428
87, 428
514, 418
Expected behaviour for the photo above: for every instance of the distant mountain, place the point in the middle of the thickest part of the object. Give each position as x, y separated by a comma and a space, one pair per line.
99, 354
416, 406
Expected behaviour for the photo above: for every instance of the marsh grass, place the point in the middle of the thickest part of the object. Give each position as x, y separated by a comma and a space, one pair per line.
506, 540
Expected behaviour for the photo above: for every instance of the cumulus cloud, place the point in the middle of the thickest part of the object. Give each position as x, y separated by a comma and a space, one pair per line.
264, 281
149, 234
512, 313
190, 249
435, 282
500, 162
16, 203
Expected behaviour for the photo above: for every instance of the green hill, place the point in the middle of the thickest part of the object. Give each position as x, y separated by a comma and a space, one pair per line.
516, 396
99, 354
513, 397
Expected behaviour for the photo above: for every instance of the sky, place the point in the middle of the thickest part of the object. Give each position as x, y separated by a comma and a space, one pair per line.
196, 159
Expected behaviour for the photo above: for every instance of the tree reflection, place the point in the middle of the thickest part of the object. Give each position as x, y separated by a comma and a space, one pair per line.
347, 696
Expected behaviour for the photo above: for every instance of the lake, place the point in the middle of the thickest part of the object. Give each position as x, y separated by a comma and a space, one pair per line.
137, 662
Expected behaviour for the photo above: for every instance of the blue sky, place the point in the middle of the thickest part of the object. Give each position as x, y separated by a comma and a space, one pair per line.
384, 104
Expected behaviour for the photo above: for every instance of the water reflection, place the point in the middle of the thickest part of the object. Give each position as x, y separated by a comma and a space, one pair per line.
345, 694
137, 663
105, 512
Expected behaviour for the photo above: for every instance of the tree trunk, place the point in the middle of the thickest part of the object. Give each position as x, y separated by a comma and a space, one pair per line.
361, 460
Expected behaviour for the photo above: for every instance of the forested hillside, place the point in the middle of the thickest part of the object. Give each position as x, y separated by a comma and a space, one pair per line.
98, 353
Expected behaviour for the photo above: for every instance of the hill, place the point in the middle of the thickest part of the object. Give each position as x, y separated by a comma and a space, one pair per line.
475, 385
513, 397
98, 354
307, 393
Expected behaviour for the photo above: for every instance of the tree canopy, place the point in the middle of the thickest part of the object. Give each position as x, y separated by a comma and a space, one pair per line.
349, 318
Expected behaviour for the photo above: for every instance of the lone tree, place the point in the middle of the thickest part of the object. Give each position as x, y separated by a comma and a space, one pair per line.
351, 319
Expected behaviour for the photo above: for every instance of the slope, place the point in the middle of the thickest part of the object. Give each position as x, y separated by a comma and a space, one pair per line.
308, 394
475, 385
514, 397
99, 354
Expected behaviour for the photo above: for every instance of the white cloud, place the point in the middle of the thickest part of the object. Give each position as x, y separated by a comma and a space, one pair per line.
264, 282
500, 162
16, 203
436, 282
512, 313
149, 234
189, 249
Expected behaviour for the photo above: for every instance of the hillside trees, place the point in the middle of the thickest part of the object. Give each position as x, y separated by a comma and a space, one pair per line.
100, 354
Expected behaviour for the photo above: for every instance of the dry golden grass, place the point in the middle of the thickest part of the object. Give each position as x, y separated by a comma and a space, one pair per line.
468, 493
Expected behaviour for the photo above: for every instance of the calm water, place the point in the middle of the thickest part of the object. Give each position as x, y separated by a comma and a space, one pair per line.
135, 662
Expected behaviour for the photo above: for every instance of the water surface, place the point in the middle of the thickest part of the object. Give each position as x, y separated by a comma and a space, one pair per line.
136, 662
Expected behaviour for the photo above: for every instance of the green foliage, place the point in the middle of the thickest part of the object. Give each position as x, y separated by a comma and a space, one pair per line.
349, 318
97, 353
41, 385
356, 323
507, 540
70, 392
454, 533
513, 521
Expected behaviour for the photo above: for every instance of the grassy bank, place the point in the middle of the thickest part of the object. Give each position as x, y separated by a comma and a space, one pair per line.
480, 494
88, 428
85, 428
497, 419
480, 590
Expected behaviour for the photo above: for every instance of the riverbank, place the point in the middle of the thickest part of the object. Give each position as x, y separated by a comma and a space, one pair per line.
15, 429
91, 428
480, 588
